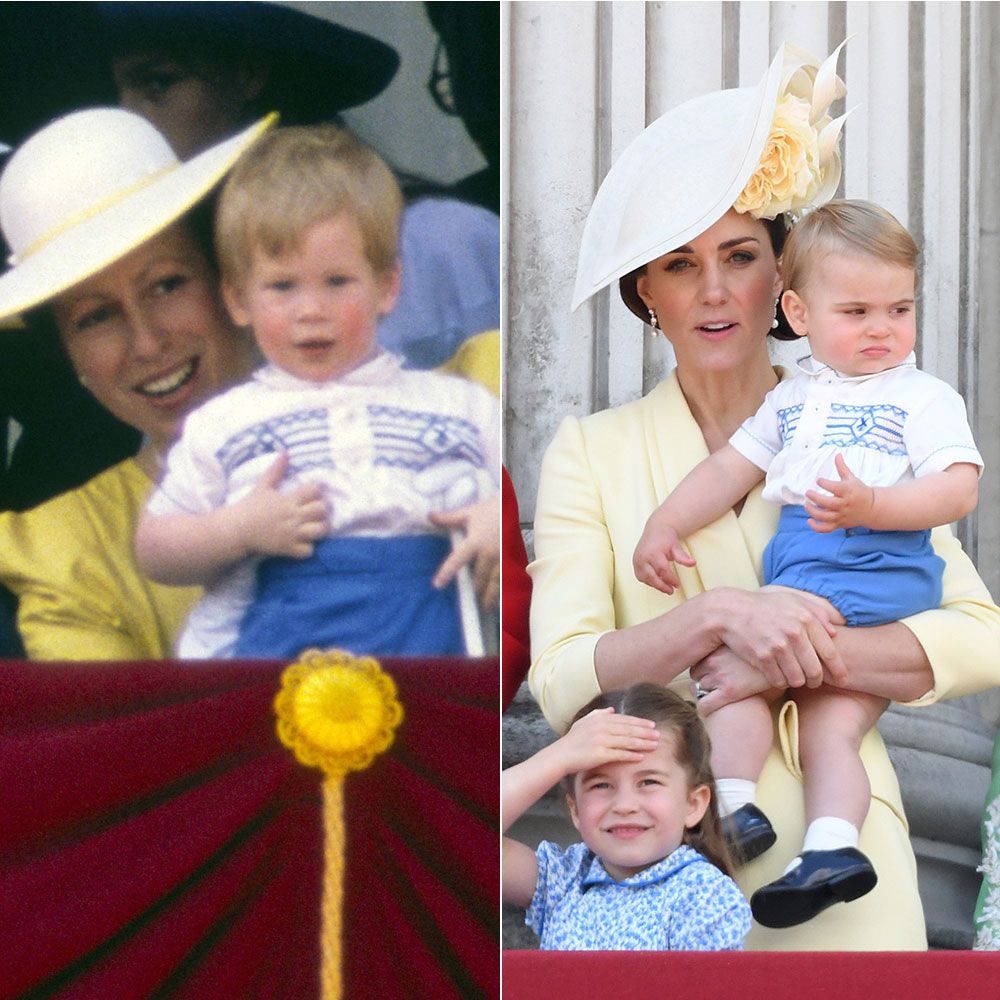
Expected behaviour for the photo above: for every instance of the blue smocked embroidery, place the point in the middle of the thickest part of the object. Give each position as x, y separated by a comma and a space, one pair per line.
788, 422
305, 435
417, 440
878, 426
682, 903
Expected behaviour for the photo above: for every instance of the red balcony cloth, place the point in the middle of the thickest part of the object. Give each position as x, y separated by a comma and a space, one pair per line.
602, 975
157, 840
515, 648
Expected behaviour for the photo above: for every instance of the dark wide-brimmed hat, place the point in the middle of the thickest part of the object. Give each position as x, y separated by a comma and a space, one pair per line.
331, 66
55, 58
50, 63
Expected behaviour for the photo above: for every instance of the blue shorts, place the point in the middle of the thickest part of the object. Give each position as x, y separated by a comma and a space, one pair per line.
870, 577
366, 595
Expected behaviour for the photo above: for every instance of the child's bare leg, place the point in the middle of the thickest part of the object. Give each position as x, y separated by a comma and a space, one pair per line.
832, 724
830, 868
741, 735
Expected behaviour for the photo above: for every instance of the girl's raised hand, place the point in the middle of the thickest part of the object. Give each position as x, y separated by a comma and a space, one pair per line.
603, 737
846, 504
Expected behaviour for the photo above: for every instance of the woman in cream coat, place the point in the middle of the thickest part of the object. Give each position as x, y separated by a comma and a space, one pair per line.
709, 279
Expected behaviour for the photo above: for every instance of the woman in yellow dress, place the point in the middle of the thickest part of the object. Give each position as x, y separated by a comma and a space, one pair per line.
690, 221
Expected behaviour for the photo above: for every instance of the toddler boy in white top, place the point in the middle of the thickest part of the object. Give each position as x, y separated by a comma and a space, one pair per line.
305, 499
866, 453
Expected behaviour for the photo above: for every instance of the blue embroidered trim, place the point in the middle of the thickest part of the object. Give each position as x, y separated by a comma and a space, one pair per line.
305, 435
877, 426
974, 458
417, 440
788, 421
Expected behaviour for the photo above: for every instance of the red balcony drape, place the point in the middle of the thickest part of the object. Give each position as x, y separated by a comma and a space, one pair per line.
157, 840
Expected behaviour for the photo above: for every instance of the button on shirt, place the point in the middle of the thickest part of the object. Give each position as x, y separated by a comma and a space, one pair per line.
682, 903
890, 427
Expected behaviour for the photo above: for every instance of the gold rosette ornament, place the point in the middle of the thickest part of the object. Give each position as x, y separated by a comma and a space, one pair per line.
336, 712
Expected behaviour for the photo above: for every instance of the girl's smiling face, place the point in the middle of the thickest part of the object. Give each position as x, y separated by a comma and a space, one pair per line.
632, 815
714, 296
148, 335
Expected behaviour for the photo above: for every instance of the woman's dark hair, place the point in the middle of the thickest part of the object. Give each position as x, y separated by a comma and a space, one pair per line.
693, 750
776, 231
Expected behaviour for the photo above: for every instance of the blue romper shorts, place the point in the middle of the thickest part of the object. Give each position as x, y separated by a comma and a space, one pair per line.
870, 577
365, 595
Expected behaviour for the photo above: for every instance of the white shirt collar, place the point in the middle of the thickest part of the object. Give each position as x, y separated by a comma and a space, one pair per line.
810, 366
379, 370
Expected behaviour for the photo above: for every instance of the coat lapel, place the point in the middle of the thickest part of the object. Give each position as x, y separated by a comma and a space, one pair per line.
725, 551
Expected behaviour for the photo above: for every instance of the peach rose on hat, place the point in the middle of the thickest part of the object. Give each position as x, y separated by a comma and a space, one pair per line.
800, 165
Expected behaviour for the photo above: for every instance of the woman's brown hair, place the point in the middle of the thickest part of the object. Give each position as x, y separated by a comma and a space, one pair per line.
692, 747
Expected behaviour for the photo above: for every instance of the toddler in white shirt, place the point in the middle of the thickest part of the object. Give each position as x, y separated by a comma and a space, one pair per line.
866, 453
306, 499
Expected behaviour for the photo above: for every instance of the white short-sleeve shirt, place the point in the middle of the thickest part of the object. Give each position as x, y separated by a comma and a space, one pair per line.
891, 426
388, 446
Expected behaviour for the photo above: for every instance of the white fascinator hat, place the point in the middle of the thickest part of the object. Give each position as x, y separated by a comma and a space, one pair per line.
767, 150
89, 187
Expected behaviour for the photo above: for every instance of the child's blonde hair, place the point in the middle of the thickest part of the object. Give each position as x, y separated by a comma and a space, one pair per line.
692, 748
856, 228
293, 178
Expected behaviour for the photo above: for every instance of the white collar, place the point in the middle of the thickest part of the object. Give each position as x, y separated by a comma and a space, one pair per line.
808, 365
379, 370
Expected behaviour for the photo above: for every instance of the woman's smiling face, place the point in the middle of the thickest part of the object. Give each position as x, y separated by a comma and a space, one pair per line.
714, 296
148, 335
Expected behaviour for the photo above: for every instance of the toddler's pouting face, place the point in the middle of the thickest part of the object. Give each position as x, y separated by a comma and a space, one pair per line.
314, 309
859, 313
632, 815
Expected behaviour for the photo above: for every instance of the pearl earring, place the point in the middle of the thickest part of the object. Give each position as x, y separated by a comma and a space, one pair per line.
653, 321
774, 322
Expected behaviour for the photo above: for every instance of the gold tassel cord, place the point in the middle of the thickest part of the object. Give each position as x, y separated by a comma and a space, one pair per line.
336, 712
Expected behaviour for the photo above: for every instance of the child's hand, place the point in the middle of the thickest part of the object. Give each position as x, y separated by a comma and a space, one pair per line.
603, 737
658, 549
282, 524
847, 504
480, 546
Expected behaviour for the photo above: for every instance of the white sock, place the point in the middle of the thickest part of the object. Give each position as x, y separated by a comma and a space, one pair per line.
732, 793
827, 834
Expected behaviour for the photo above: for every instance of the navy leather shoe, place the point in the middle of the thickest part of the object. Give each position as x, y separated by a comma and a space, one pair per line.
748, 833
822, 879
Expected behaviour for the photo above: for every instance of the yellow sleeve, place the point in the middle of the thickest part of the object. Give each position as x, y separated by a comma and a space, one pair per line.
478, 359
80, 594
962, 637
572, 579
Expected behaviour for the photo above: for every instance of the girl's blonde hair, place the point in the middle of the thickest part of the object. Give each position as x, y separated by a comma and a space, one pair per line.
293, 178
856, 228
692, 747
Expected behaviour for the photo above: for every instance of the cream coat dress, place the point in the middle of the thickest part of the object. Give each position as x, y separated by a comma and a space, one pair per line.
601, 478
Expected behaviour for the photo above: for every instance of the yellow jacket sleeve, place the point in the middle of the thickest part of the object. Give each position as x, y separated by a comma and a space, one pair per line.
962, 637
81, 595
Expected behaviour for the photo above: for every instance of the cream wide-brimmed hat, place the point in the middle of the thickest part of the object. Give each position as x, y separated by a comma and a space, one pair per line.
766, 150
86, 189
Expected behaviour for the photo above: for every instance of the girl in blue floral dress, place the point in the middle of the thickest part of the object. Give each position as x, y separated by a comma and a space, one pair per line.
652, 872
